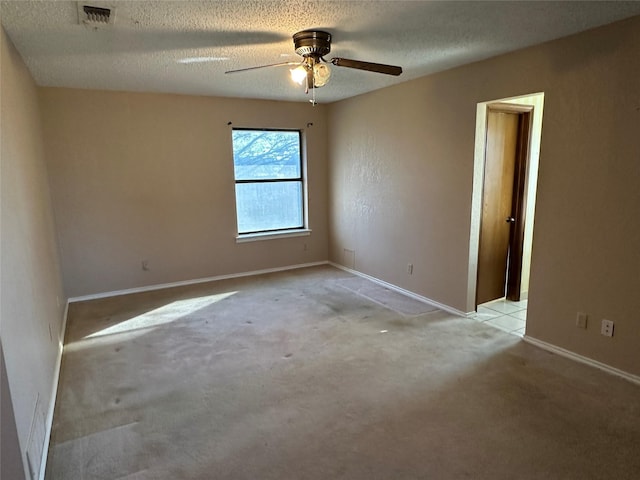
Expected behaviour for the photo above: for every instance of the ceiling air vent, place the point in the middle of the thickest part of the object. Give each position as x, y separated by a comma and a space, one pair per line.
95, 14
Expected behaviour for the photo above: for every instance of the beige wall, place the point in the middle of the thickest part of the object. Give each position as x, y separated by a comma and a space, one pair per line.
150, 177
401, 174
11, 465
31, 288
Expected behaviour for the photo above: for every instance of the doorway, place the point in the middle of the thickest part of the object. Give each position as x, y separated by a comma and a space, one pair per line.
503, 214
524, 116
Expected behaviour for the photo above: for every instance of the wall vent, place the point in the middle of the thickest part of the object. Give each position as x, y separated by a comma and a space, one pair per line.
96, 14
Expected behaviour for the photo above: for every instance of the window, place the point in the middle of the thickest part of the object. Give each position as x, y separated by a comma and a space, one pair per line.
269, 182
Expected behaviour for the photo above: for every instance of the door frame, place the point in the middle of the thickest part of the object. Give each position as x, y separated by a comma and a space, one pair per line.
530, 172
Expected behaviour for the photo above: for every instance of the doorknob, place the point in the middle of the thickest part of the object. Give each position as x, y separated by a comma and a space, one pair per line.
511, 220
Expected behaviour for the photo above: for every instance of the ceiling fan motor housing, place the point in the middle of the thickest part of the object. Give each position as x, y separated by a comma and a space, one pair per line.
312, 43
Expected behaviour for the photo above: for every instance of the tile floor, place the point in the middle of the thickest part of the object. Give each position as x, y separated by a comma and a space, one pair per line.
504, 314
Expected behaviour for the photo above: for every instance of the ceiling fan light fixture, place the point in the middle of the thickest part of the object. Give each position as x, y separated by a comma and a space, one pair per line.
321, 74
299, 74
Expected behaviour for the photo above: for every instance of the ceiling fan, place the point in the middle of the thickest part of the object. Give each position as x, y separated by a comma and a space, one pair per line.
314, 71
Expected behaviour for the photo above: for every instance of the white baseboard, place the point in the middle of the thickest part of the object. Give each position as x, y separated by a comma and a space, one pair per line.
401, 290
160, 286
579, 358
54, 394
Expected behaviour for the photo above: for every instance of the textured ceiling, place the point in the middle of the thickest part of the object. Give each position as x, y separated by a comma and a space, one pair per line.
147, 46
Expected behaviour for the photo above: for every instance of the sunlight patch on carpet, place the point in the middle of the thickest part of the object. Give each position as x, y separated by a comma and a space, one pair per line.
163, 315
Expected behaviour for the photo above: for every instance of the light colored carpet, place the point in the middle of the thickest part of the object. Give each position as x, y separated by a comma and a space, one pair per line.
293, 376
386, 297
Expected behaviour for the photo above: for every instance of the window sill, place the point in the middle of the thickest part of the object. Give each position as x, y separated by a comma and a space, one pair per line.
255, 237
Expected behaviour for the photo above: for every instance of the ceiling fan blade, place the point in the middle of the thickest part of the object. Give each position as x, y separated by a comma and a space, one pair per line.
282, 64
371, 67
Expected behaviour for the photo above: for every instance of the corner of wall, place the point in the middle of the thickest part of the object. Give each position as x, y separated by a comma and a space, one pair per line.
30, 277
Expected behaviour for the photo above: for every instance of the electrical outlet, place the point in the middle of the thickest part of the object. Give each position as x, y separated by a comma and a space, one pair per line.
607, 328
581, 320
410, 268
145, 265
